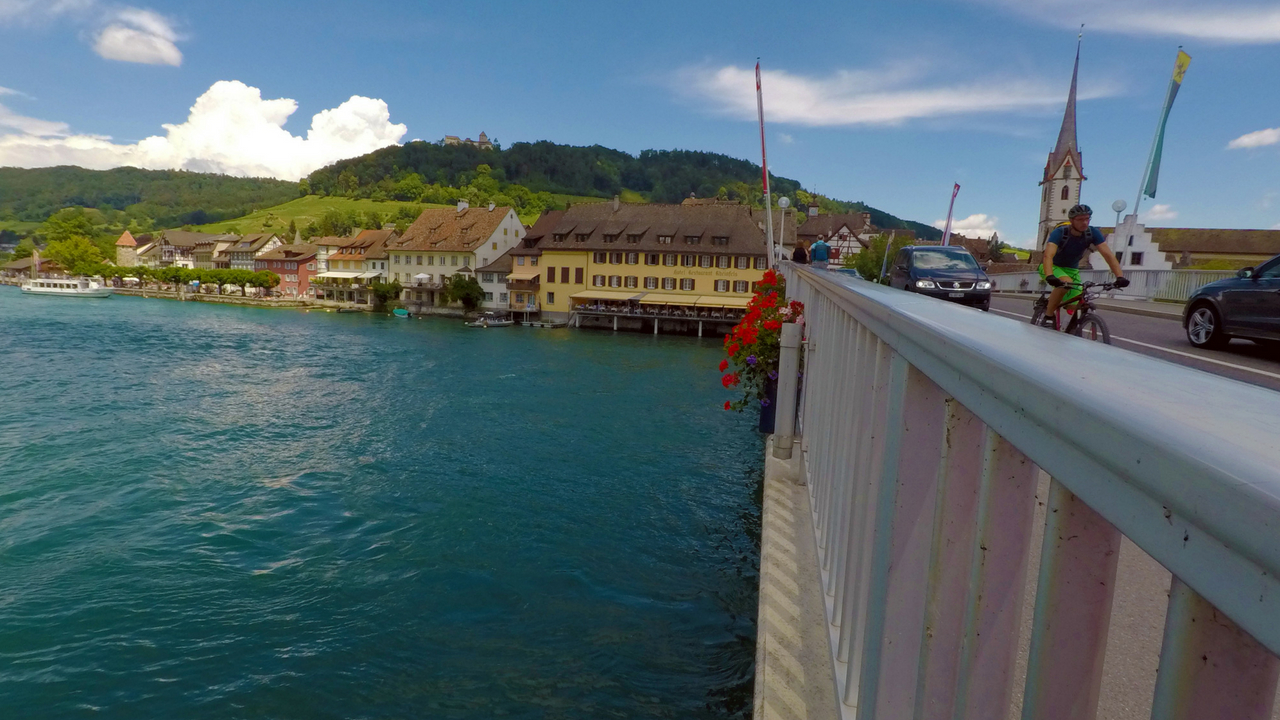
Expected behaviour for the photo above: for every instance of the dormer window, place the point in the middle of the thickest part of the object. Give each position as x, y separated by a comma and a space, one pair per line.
610, 238
692, 239
581, 237
633, 238
719, 241
664, 239
557, 237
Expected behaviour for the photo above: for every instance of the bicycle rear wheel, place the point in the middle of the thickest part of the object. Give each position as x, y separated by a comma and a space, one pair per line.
1093, 327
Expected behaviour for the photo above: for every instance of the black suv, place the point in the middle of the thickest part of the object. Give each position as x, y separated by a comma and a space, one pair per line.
1245, 306
948, 272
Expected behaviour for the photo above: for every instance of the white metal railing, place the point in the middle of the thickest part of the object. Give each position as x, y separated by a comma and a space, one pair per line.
1171, 285
924, 425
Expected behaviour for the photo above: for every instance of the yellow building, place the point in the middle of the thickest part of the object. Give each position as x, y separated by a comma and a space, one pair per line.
647, 263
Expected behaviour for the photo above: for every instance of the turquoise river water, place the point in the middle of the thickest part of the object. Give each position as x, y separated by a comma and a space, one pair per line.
227, 512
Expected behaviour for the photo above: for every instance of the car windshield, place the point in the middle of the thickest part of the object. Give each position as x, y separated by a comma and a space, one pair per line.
944, 260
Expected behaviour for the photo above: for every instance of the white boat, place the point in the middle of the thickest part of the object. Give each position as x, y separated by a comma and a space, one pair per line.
488, 320
66, 287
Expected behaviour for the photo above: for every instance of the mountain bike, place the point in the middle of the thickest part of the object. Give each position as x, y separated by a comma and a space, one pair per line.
1085, 322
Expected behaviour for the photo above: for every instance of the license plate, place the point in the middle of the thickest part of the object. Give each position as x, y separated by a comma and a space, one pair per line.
955, 294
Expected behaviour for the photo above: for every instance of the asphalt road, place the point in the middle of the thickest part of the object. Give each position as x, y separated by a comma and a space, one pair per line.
1165, 339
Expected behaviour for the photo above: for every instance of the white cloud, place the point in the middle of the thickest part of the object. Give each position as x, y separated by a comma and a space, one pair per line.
786, 139
30, 126
139, 36
231, 129
1161, 212
1234, 23
124, 33
1255, 139
977, 225
887, 96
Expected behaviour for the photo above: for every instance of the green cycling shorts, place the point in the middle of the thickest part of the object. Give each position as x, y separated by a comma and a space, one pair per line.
1070, 274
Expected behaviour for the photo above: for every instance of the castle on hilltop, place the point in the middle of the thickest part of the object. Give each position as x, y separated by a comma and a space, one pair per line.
482, 142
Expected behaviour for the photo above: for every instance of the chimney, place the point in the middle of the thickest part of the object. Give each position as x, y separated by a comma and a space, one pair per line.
462, 205
616, 203
491, 207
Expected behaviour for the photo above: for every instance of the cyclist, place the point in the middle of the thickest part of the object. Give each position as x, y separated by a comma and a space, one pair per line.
1063, 250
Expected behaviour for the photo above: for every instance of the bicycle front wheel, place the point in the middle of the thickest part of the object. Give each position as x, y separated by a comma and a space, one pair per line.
1093, 327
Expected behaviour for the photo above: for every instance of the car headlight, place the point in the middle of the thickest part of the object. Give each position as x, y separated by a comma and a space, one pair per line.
983, 285
925, 284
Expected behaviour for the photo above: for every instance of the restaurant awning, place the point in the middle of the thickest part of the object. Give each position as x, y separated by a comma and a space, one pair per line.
524, 275
616, 295
366, 275
339, 274
722, 301
665, 299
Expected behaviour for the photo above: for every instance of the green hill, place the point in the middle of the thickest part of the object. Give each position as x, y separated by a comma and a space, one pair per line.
420, 170
141, 198
305, 211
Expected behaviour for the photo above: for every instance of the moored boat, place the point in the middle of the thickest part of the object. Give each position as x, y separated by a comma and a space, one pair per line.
488, 320
66, 287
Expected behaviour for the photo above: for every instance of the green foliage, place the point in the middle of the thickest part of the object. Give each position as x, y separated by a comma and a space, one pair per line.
305, 212
68, 223
871, 259
136, 199
185, 276
26, 246
76, 253
520, 175
386, 292
463, 288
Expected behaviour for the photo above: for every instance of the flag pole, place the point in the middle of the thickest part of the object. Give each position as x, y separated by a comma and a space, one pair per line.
1152, 170
946, 234
764, 170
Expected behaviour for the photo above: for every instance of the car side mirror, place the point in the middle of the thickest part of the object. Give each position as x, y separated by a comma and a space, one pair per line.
1245, 273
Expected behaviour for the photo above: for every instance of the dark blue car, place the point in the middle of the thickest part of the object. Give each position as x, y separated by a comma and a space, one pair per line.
948, 273
1245, 306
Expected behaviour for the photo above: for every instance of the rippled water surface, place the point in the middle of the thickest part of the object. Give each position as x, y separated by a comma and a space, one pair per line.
223, 512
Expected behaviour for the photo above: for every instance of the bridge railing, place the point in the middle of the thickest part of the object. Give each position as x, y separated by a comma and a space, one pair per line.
1171, 285
924, 426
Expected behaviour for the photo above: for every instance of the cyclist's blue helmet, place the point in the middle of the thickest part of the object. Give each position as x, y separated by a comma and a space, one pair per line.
1079, 210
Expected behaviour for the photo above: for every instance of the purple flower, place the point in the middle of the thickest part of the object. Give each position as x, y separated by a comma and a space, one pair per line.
773, 374
764, 402
751, 359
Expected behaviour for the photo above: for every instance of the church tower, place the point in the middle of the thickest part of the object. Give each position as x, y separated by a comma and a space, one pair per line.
1063, 173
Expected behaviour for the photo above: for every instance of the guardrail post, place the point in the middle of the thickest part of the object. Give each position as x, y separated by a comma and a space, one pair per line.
1073, 610
1209, 667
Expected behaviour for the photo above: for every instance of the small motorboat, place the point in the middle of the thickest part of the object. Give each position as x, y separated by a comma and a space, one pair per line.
401, 313
490, 319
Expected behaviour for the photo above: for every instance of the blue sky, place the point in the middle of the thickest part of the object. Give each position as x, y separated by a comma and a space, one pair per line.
886, 103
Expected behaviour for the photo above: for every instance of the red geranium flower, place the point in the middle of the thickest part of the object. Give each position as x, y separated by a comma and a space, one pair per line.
772, 325
726, 405
724, 365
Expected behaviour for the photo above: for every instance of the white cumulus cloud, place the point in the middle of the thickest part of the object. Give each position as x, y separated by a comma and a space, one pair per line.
1161, 212
139, 36
1259, 138
886, 96
1230, 22
119, 32
978, 225
231, 129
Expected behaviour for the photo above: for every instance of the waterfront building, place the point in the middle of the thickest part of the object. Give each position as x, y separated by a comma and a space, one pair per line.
695, 260
295, 264
445, 241
211, 253
524, 280
493, 280
126, 250
242, 253
1063, 171
22, 268
349, 265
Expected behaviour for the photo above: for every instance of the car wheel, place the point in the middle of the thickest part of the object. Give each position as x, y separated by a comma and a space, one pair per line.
1204, 328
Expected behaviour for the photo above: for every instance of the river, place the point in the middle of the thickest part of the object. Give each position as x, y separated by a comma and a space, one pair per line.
233, 512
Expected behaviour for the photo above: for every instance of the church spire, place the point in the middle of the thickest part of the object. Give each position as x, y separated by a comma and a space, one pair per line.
1067, 145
